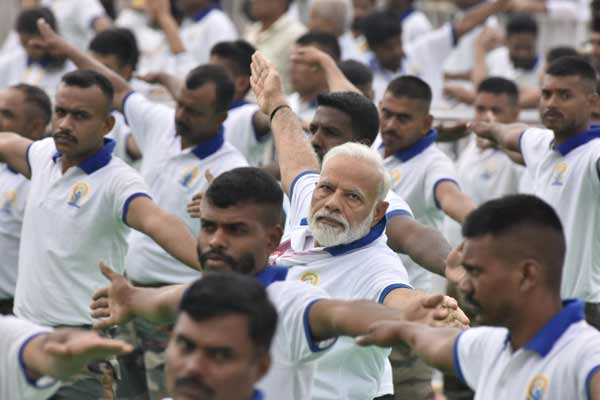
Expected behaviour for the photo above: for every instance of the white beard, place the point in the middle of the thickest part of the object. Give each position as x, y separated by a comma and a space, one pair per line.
329, 236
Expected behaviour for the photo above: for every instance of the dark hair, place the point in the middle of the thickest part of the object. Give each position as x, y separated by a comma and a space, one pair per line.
497, 85
596, 24
573, 66
37, 98
412, 87
239, 52
362, 112
379, 27
27, 20
223, 294
119, 42
356, 72
521, 23
561, 51
216, 74
248, 185
84, 78
324, 41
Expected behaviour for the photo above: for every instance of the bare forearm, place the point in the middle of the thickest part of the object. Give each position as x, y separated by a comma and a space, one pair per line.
459, 207
529, 97
169, 27
429, 249
479, 72
175, 237
477, 16
158, 305
171, 83
336, 80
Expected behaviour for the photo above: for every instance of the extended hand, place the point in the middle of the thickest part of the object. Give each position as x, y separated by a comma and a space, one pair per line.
52, 41
111, 302
455, 272
266, 83
311, 55
383, 334
440, 310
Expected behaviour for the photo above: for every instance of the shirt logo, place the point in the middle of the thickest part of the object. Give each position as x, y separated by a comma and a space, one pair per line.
537, 387
558, 176
310, 277
78, 194
396, 175
8, 201
189, 176
488, 170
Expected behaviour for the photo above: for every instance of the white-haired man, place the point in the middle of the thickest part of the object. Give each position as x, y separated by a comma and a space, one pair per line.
341, 246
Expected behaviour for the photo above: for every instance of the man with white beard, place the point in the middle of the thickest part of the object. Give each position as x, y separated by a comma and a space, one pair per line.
341, 247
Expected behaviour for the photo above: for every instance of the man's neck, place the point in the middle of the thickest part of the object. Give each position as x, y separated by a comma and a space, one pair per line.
68, 162
186, 143
531, 318
267, 23
562, 137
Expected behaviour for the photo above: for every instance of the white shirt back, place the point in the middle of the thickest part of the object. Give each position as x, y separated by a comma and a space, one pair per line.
240, 132
75, 19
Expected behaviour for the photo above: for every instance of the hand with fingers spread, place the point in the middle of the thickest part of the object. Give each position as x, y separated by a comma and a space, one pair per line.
112, 302
267, 85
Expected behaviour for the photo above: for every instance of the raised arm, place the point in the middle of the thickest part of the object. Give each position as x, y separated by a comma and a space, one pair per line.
161, 12
165, 229
170, 82
434, 345
477, 16
456, 204
58, 45
13, 151
506, 136
294, 152
120, 302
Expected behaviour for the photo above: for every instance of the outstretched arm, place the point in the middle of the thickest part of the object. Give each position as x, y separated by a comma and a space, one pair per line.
477, 16
120, 302
168, 81
294, 152
434, 345
13, 151
456, 204
506, 136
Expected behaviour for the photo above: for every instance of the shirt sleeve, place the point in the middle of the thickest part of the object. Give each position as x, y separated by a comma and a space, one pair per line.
38, 153
441, 169
470, 350
148, 120
534, 144
301, 192
431, 50
588, 364
127, 187
397, 206
294, 302
14, 382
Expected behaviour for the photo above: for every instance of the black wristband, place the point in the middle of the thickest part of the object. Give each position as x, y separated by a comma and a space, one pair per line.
279, 107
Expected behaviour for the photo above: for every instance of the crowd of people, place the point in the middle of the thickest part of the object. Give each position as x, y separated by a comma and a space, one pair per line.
310, 199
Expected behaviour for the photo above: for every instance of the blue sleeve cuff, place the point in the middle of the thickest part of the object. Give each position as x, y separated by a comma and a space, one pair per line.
455, 37
588, 381
521, 146
295, 181
128, 202
123, 105
391, 288
23, 367
314, 346
28, 160
437, 203
396, 213
457, 368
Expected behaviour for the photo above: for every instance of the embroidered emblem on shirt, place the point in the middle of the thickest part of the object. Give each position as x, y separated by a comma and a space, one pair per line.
396, 175
558, 176
537, 387
488, 170
8, 201
78, 194
189, 176
310, 277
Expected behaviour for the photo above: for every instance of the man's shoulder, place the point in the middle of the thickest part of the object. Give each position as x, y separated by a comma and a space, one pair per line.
13, 58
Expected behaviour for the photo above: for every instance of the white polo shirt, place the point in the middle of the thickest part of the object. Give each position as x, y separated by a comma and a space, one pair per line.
303, 109
567, 177
72, 221
294, 350
351, 49
174, 177
366, 269
499, 64
241, 133
76, 18
207, 28
16, 68
423, 58
556, 364
14, 189
14, 382
416, 172
414, 25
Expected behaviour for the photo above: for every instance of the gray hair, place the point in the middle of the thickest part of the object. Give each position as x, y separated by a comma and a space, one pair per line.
340, 11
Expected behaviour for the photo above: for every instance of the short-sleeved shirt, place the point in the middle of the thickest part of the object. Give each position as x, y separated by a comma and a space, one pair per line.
14, 189
567, 177
241, 133
14, 381
499, 64
365, 269
416, 172
414, 25
174, 176
557, 363
72, 221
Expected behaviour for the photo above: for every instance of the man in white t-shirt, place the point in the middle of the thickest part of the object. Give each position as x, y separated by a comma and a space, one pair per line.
75, 182
564, 162
537, 346
241, 226
414, 23
424, 57
25, 110
33, 358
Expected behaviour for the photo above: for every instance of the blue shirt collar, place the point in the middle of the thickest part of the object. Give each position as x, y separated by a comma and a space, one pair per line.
41, 63
418, 147
200, 15
406, 13
545, 338
258, 395
270, 275
373, 235
578, 140
210, 146
97, 160
237, 103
